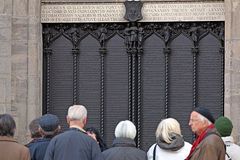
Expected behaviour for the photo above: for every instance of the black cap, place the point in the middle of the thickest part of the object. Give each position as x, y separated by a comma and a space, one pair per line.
205, 112
49, 122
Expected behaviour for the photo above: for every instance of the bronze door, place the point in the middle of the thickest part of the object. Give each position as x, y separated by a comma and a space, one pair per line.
143, 72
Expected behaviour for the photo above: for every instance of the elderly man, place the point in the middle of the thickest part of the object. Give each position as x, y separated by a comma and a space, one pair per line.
9, 148
208, 145
74, 144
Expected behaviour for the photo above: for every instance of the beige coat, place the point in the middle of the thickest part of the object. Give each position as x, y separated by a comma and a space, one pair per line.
210, 148
11, 150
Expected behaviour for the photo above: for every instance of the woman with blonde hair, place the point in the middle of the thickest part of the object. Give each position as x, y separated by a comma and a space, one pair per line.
169, 144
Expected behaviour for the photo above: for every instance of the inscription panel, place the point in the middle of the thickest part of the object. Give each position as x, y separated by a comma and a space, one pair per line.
114, 12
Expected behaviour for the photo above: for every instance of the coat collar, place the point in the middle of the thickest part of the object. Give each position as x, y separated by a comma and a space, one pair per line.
228, 139
123, 142
8, 139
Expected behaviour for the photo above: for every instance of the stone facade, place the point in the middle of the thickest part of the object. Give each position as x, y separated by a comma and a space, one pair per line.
21, 60
20, 57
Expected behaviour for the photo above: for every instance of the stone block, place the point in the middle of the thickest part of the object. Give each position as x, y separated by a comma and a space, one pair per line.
34, 30
34, 107
33, 61
5, 65
20, 29
3, 91
8, 8
235, 20
236, 48
3, 109
5, 28
34, 8
20, 8
5, 48
2, 7
19, 91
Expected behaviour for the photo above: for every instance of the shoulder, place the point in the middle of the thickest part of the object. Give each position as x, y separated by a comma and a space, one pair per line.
150, 150
187, 145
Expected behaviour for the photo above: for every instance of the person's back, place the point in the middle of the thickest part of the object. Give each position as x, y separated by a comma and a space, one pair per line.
170, 144
49, 126
124, 147
232, 150
9, 148
224, 126
74, 144
38, 148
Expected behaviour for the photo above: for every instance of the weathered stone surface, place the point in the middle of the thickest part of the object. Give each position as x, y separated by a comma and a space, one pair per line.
34, 29
5, 65
5, 48
20, 8
34, 7
20, 29
8, 8
1, 6
5, 28
232, 68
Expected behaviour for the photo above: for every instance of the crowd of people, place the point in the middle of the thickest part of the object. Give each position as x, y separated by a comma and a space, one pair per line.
213, 139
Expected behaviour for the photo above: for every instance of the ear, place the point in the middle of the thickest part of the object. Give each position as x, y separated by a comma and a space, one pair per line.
41, 131
68, 119
85, 121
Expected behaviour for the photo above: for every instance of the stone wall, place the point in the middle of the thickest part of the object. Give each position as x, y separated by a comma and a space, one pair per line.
232, 64
21, 60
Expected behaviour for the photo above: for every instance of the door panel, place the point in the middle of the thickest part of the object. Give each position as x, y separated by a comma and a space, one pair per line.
153, 86
88, 81
116, 86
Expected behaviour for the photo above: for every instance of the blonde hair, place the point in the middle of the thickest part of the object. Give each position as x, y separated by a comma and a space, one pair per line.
77, 112
166, 127
125, 129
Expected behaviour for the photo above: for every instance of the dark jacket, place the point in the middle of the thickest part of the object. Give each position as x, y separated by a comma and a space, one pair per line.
124, 149
210, 148
38, 147
73, 145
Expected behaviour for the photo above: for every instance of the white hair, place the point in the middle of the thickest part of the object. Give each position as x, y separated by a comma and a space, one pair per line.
77, 112
166, 127
125, 129
203, 119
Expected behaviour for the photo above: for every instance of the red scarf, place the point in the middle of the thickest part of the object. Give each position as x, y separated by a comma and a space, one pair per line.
198, 140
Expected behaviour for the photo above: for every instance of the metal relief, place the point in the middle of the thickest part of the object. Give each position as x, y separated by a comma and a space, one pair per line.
133, 11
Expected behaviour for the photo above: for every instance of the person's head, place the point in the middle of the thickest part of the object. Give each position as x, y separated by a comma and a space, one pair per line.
7, 125
166, 127
49, 125
93, 132
77, 115
125, 129
34, 128
200, 119
224, 126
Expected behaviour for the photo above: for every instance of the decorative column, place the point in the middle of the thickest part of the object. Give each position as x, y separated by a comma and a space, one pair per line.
48, 52
166, 52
